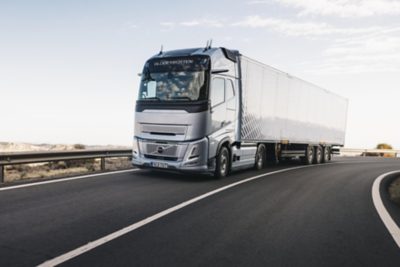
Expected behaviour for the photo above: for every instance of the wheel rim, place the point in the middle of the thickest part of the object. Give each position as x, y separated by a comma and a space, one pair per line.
260, 160
224, 164
310, 155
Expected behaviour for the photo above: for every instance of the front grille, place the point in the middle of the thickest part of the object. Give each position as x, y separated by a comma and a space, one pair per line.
161, 150
167, 151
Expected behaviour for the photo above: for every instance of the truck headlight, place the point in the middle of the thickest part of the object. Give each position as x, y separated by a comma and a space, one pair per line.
195, 151
198, 149
135, 148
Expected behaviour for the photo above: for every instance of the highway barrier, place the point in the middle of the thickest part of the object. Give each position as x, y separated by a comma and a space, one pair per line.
49, 156
368, 152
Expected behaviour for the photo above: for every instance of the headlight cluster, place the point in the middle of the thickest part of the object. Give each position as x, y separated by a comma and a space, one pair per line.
135, 148
195, 152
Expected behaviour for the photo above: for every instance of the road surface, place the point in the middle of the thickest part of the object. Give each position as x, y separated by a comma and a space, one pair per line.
314, 216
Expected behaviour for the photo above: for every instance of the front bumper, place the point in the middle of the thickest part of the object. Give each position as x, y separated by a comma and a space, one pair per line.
178, 156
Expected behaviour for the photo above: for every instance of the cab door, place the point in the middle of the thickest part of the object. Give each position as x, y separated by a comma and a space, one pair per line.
218, 104
230, 96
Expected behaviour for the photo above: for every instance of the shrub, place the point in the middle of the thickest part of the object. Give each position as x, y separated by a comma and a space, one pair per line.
79, 146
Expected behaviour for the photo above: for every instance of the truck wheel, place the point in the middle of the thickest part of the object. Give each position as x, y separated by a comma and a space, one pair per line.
260, 157
325, 154
317, 155
222, 164
308, 158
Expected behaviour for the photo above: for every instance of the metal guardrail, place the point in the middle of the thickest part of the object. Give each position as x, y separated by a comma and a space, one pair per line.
49, 156
365, 152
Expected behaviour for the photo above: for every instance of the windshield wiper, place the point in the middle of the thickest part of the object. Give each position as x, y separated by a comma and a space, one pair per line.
181, 97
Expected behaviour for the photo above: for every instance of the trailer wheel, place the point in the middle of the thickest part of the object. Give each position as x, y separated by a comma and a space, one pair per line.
309, 155
317, 155
325, 154
222, 164
260, 157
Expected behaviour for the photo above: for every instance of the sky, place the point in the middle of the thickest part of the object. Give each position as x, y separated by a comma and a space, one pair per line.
68, 69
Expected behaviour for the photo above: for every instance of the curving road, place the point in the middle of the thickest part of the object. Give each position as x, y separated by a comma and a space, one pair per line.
313, 216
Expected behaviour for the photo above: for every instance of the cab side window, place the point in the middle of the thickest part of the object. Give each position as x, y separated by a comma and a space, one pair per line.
217, 91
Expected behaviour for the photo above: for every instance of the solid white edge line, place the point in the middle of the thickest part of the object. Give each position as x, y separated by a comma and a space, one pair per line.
390, 224
96, 243
64, 179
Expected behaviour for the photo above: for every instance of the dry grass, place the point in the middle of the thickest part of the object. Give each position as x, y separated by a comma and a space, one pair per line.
37, 171
394, 191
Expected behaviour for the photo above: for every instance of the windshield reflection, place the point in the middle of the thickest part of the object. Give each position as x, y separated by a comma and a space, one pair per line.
174, 86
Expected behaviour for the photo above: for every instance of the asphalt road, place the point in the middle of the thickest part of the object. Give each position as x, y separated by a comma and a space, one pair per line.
314, 216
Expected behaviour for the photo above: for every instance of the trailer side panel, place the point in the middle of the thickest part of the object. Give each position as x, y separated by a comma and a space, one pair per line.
277, 107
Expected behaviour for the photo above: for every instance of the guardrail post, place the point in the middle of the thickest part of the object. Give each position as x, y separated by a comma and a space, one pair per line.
1, 174
103, 164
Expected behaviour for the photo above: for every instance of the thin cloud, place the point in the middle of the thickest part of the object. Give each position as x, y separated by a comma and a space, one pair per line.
194, 23
203, 22
256, 2
342, 8
167, 24
376, 53
292, 28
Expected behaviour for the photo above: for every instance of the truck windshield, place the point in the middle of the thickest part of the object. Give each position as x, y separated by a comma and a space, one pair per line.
172, 86
175, 79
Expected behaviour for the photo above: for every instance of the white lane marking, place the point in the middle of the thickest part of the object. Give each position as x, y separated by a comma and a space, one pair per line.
392, 227
101, 241
63, 179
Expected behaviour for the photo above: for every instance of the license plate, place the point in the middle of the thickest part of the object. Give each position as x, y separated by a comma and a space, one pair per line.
159, 165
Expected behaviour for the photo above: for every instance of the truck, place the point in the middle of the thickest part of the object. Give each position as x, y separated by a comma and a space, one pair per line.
213, 110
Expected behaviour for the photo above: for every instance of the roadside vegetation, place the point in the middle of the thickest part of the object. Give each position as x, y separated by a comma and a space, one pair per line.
36, 171
55, 169
381, 146
394, 191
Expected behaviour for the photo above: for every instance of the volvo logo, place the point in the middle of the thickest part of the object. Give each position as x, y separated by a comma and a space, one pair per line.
160, 150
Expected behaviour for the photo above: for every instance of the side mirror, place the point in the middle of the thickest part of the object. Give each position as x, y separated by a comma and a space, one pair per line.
139, 74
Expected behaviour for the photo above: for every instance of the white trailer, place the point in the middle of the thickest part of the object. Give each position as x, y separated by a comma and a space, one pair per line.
214, 110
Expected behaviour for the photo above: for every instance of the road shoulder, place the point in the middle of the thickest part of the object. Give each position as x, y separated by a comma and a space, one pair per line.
388, 211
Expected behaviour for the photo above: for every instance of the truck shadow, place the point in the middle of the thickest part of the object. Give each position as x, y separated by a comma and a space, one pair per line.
200, 178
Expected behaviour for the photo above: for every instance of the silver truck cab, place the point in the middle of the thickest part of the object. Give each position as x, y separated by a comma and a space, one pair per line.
187, 108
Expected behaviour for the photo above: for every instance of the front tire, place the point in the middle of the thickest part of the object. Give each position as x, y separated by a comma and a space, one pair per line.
222, 164
260, 157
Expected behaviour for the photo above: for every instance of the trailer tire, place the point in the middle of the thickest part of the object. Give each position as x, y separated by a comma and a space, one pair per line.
222, 163
261, 157
326, 154
309, 155
317, 155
